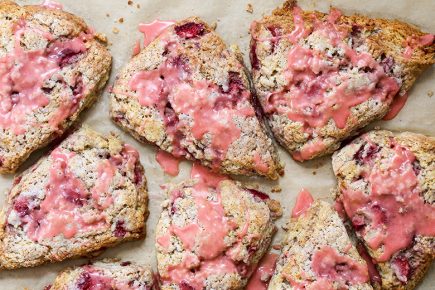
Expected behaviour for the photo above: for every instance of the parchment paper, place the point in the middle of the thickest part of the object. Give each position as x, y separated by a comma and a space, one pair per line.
233, 24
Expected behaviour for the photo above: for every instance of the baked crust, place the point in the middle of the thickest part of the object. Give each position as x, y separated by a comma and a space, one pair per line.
81, 80
208, 59
383, 39
420, 253
110, 206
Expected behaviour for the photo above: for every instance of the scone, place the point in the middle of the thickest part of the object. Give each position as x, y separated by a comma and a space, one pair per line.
52, 66
187, 93
87, 194
212, 233
317, 253
106, 274
321, 77
386, 186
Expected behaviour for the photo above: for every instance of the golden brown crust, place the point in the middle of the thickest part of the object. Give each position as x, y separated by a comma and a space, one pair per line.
93, 68
384, 39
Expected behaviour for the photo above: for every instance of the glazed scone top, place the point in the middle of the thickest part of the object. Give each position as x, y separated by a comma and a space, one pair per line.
106, 274
50, 64
317, 253
316, 73
212, 233
88, 192
194, 97
387, 189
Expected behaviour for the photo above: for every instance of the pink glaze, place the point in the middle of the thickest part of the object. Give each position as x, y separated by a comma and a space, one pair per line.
303, 203
205, 176
309, 150
394, 211
23, 74
168, 162
260, 279
52, 4
414, 42
261, 165
152, 30
171, 90
136, 48
105, 172
59, 212
328, 264
396, 106
316, 91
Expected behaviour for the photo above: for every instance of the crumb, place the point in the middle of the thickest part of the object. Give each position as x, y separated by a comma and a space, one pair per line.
130, 2
138, 6
277, 247
213, 25
430, 94
121, 20
107, 15
276, 188
314, 172
249, 8
115, 30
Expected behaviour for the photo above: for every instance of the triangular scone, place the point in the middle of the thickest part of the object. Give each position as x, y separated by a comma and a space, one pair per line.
106, 274
318, 254
87, 194
189, 94
320, 77
386, 186
52, 67
212, 233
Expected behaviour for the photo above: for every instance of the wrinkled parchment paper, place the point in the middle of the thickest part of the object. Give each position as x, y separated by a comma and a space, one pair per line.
233, 23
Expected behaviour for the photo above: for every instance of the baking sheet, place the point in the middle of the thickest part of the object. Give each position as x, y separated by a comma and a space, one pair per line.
233, 24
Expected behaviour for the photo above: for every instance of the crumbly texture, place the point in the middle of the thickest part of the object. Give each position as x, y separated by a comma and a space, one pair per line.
247, 241
124, 217
347, 168
319, 226
84, 74
208, 59
134, 275
383, 39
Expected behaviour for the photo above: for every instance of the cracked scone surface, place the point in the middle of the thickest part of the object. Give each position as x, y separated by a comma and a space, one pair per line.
187, 93
317, 253
387, 189
52, 67
321, 77
106, 274
87, 194
211, 237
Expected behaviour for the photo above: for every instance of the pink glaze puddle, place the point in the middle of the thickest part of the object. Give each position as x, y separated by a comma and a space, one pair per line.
309, 150
59, 212
317, 91
205, 177
261, 165
328, 264
303, 203
168, 162
152, 30
414, 42
23, 74
260, 279
212, 109
52, 4
397, 105
394, 211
